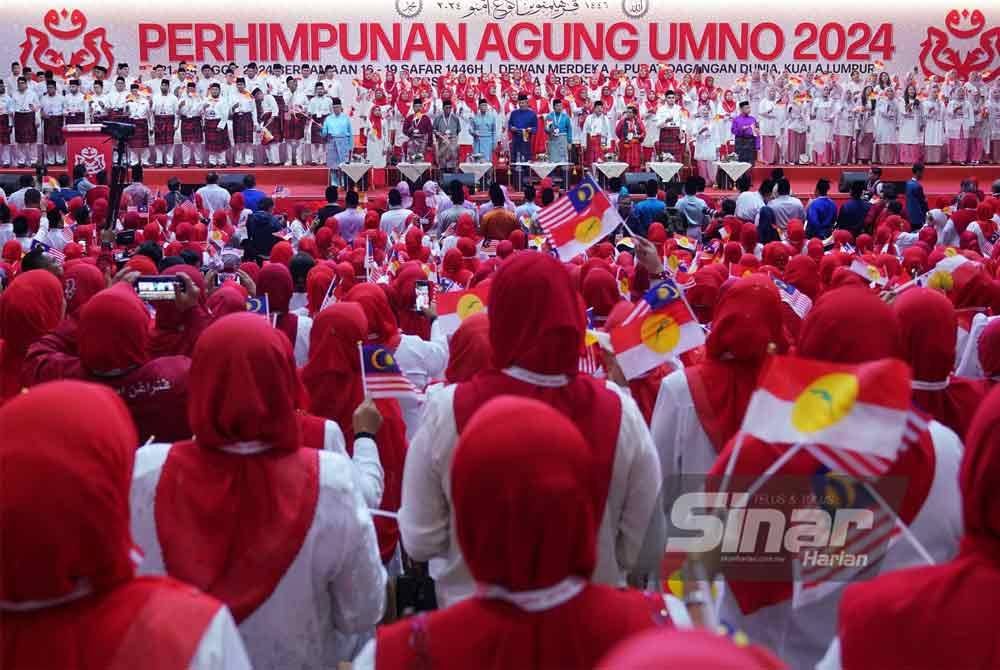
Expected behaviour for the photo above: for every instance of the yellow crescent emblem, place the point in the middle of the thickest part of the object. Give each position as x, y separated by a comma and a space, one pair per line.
825, 402
468, 305
941, 280
381, 359
660, 333
587, 230
673, 263
873, 273
585, 192
950, 251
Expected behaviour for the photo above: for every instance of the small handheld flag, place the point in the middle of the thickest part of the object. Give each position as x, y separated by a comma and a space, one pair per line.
659, 327
381, 374
580, 219
258, 305
454, 307
869, 272
56, 255
794, 298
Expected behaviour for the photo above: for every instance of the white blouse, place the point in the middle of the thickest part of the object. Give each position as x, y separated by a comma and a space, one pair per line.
631, 535
333, 590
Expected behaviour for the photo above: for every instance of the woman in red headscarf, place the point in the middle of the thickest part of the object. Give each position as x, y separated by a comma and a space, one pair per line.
802, 272
469, 349
113, 343
414, 247
275, 282
688, 650
282, 252
420, 360
894, 620
453, 270
276, 532
749, 240
847, 326
601, 294
985, 227
700, 408
74, 601
526, 519
929, 330
318, 283
776, 254
31, 306
332, 378
178, 323
81, 282
536, 338
966, 212
411, 321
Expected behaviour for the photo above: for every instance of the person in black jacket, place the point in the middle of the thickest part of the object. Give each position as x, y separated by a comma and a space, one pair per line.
261, 227
852, 213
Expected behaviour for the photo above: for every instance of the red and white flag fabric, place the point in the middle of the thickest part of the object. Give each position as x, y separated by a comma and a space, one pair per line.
381, 375
659, 327
579, 220
871, 273
794, 298
863, 409
454, 307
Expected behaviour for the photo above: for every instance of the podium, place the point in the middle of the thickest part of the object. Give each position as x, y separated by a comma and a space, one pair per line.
87, 146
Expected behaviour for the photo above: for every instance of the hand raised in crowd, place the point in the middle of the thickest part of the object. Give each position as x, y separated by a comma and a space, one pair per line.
187, 297
367, 418
647, 256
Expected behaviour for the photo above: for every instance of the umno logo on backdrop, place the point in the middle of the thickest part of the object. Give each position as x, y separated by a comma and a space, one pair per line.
964, 47
66, 42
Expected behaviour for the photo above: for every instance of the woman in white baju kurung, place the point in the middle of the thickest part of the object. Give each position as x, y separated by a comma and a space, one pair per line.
278, 532
934, 138
957, 126
887, 128
822, 127
911, 131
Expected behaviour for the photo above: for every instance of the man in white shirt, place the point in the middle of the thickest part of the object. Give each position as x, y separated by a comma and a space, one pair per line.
394, 220
215, 114
25, 106
6, 125
244, 117
138, 114
786, 207
318, 109
51, 106
74, 104
749, 201
331, 83
297, 149
207, 79
213, 196
165, 106
190, 107
598, 132
269, 119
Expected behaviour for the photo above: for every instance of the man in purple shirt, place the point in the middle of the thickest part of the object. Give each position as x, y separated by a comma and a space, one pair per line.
352, 219
745, 133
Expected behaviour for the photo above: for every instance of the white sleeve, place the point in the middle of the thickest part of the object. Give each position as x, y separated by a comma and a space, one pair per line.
369, 475
43, 229
641, 534
968, 362
357, 587
905, 241
365, 660
221, 647
831, 661
425, 515
302, 340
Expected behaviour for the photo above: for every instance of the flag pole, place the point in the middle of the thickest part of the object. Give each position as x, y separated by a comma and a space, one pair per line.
361, 359
921, 549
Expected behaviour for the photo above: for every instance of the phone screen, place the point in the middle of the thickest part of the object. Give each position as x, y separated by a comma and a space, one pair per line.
157, 288
223, 277
423, 300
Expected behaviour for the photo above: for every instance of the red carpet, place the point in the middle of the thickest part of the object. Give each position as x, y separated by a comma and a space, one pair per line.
308, 183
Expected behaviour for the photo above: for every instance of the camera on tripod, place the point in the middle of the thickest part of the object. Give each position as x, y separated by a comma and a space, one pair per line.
118, 130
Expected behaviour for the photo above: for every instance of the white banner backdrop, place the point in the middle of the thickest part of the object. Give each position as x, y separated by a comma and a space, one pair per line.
432, 37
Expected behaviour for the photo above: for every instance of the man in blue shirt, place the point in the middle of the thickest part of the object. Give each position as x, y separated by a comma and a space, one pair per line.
523, 124
484, 131
916, 202
337, 133
251, 194
821, 213
694, 210
853, 212
647, 210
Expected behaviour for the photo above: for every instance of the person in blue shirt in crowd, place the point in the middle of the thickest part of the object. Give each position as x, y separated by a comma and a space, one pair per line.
916, 201
252, 196
64, 194
821, 213
853, 212
646, 210
261, 227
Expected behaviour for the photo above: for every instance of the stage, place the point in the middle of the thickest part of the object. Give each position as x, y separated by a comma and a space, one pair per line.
298, 184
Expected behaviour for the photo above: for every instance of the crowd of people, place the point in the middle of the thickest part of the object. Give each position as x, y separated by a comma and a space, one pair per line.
241, 116
200, 481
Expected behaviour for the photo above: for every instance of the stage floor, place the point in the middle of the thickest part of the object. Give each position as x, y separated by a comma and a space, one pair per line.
308, 183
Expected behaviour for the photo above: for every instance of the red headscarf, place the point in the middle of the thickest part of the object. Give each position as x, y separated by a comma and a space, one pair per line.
382, 326
82, 458
600, 293
114, 332
989, 351
318, 284
469, 350
687, 650
731, 252
81, 282
704, 295
524, 513
814, 249
776, 254
411, 322
894, 620
229, 523
747, 326
231, 298
748, 238
929, 332
966, 213
282, 252
275, 282
174, 332
803, 273
796, 234
332, 378
31, 306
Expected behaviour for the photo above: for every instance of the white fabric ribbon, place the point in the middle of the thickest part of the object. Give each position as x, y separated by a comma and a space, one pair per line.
920, 385
245, 448
538, 600
536, 378
82, 590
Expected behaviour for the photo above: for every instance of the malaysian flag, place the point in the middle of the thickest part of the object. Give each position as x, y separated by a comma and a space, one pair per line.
794, 298
381, 375
579, 220
373, 272
988, 242
53, 253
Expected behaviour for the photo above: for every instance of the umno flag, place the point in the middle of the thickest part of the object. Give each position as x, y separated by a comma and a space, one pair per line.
455, 306
861, 408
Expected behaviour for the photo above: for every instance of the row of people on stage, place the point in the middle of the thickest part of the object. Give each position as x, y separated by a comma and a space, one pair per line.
278, 118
